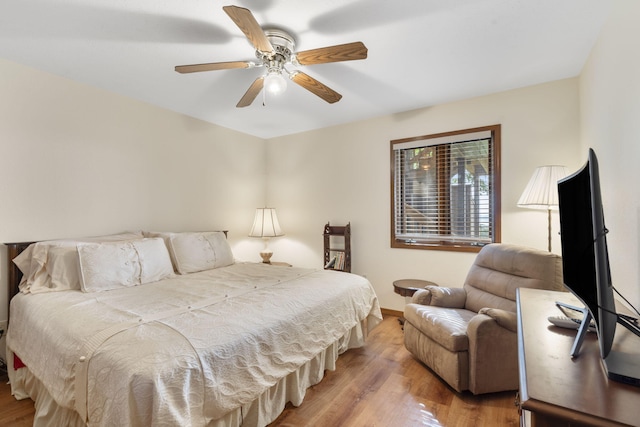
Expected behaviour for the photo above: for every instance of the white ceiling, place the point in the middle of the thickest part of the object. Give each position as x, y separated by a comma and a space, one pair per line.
421, 52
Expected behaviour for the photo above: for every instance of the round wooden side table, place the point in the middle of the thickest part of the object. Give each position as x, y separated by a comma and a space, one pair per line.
408, 287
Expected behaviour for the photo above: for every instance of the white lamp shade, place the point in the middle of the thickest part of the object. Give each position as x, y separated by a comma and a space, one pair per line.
265, 224
542, 190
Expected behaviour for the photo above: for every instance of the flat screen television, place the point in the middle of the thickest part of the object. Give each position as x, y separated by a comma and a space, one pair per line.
585, 262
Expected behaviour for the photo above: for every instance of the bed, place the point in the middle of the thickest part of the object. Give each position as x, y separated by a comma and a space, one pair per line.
143, 329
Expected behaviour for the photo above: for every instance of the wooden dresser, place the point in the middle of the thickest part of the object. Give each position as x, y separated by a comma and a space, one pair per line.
558, 391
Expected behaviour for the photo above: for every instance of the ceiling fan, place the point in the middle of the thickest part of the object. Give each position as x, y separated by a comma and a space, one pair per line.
275, 52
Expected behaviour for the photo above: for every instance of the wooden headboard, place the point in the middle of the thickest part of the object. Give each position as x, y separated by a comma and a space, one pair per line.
14, 273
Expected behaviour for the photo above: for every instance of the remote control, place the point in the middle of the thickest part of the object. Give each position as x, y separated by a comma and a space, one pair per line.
569, 323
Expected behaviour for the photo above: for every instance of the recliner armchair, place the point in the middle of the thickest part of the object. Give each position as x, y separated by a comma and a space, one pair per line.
468, 335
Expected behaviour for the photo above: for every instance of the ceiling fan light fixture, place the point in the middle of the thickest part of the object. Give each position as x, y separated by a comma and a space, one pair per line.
275, 50
275, 83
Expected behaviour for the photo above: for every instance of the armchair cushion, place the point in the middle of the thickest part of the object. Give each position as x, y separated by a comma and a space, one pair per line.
500, 269
447, 327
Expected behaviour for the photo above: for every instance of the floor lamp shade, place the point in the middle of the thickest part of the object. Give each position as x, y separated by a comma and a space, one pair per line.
265, 226
542, 191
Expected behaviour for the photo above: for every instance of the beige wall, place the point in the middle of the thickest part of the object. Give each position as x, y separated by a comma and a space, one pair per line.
75, 160
610, 124
341, 174
106, 163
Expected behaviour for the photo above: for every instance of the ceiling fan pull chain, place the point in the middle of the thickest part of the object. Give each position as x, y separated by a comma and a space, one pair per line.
264, 98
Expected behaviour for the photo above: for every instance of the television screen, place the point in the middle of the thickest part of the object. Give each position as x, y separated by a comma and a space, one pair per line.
585, 259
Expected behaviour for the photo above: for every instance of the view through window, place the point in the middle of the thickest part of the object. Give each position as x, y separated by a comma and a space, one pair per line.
446, 190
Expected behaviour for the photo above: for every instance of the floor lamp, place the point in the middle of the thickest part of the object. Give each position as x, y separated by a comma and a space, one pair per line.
266, 226
542, 191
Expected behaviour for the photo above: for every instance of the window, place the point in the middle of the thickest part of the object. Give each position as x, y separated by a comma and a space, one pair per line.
446, 190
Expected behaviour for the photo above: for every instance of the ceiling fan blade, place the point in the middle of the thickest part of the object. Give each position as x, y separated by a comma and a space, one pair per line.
315, 87
342, 52
213, 66
245, 20
251, 93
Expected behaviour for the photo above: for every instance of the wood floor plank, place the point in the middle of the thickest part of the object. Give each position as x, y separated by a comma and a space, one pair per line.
382, 384
378, 385
13, 413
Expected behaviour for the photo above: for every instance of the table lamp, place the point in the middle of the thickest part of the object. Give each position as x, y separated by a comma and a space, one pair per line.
265, 225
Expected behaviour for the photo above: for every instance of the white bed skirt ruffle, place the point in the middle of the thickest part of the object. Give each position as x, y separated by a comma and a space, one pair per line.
258, 413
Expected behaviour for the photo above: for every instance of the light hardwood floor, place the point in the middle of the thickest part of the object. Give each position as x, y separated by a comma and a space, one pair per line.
379, 385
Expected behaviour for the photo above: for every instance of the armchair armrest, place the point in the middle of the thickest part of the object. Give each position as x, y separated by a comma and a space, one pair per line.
493, 351
440, 297
422, 297
506, 319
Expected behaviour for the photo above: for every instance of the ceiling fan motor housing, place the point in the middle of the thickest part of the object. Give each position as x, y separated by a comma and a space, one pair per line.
283, 45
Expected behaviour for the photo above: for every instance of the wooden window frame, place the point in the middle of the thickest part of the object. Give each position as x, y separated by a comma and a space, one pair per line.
444, 226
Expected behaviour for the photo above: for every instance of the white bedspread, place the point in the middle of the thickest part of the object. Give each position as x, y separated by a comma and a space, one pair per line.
186, 350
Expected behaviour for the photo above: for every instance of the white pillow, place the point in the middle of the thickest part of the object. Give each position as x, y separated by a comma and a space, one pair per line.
112, 265
193, 252
23, 261
166, 236
53, 265
62, 267
154, 260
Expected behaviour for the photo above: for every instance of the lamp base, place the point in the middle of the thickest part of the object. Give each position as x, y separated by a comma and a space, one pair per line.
549, 227
266, 256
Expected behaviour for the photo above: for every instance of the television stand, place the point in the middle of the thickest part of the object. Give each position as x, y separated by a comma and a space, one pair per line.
630, 319
620, 366
558, 391
624, 366
582, 330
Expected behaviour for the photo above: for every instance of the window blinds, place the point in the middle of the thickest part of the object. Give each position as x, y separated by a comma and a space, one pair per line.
443, 188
